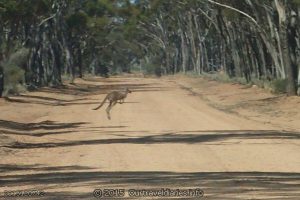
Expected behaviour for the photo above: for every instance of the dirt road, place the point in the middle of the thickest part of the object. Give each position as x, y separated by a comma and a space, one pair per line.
161, 137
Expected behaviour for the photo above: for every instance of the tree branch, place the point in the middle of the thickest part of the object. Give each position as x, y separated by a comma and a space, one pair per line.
45, 20
237, 10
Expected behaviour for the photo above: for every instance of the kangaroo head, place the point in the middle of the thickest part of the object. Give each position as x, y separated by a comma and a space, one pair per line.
127, 90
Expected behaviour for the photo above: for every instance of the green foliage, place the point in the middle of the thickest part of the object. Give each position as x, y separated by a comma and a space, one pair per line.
99, 8
8, 8
97, 24
296, 2
23, 10
77, 21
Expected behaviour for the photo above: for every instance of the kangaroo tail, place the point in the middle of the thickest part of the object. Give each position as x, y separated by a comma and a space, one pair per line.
101, 104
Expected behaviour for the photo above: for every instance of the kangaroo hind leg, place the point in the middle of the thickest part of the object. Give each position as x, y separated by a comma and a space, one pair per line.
108, 109
111, 104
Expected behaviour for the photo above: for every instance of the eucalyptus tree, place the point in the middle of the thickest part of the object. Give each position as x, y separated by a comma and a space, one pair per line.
249, 39
273, 23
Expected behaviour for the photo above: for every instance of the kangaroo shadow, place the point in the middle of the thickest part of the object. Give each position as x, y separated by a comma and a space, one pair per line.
46, 128
44, 125
38, 129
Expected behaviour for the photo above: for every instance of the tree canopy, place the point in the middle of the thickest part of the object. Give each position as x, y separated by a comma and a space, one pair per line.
249, 39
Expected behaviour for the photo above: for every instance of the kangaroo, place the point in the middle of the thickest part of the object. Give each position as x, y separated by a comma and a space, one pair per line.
113, 98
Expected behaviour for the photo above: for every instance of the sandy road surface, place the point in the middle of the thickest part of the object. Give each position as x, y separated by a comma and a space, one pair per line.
161, 137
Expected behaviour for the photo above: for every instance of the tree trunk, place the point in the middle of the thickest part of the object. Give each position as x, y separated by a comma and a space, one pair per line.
1, 81
283, 27
183, 51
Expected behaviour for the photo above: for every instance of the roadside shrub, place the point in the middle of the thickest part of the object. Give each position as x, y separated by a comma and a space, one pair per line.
190, 73
221, 77
13, 79
153, 69
240, 80
103, 71
157, 71
13, 72
279, 85
260, 83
